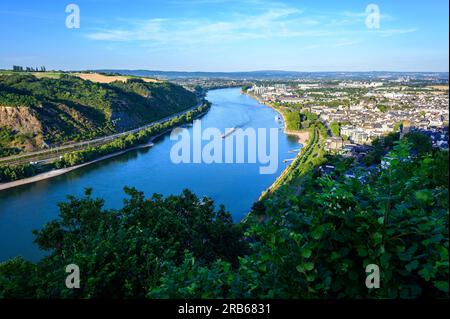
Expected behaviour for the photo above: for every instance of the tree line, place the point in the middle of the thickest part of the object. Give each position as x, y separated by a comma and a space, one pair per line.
18, 68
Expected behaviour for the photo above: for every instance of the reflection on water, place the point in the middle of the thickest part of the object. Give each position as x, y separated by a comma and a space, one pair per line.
237, 186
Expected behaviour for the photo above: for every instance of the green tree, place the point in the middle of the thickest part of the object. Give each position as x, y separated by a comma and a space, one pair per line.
312, 238
122, 253
335, 128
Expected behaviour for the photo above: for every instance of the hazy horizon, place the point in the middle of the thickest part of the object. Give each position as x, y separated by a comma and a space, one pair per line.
261, 70
230, 71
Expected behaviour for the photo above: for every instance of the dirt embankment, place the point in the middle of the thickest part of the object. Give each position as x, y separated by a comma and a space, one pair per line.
303, 137
24, 122
101, 78
20, 119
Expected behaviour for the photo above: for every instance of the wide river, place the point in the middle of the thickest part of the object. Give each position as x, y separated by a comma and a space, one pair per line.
237, 186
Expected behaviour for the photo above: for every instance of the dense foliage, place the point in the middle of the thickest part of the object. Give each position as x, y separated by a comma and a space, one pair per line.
335, 128
7, 141
379, 147
122, 253
14, 172
292, 119
312, 238
322, 238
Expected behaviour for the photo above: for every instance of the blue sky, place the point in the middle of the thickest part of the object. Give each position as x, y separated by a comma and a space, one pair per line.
226, 35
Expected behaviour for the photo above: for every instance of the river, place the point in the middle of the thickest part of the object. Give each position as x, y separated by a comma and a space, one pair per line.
237, 186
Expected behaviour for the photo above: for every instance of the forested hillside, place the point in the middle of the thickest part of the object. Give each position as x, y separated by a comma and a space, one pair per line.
35, 112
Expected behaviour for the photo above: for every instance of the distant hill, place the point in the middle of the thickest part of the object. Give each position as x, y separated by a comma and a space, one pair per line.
57, 110
274, 74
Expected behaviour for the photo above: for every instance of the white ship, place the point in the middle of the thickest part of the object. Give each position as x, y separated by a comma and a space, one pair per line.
229, 132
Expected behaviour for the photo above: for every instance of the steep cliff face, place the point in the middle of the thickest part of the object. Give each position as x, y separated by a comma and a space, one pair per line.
57, 111
20, 119
20, 129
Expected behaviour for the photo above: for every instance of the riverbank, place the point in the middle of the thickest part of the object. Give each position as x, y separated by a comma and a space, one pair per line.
301, 158
61, 171
303, 136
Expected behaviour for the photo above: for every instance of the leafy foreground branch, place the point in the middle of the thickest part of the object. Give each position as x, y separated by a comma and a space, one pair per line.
314, 244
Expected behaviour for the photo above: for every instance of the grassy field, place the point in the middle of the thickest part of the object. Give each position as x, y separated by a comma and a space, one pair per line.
51, 75
93, 77
102, 78
440, 87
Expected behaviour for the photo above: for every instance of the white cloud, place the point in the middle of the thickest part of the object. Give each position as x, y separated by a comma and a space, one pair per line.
272, 23
392, 32
265, 25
